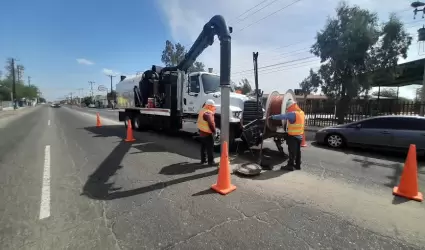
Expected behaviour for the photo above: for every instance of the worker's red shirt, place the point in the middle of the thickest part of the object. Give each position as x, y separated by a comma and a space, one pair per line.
208, 117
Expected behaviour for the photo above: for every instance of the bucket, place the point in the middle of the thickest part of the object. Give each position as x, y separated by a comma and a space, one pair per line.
151, 103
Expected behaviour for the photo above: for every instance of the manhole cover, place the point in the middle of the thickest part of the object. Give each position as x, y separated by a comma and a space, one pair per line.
249, 169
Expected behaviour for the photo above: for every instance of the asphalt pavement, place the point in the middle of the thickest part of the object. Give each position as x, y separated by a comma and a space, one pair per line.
67, 184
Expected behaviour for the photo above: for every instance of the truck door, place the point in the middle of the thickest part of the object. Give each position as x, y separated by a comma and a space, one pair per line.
191, 96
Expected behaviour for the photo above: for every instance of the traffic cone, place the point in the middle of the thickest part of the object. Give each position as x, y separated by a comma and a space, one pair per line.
130, 137
224, 185
408, 187
98, 123
303, 143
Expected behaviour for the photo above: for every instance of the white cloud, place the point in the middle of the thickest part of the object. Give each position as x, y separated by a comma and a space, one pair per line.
295, 26
109, 72
84, 61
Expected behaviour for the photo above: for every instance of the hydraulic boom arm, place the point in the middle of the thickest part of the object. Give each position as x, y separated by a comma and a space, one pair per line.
216, 26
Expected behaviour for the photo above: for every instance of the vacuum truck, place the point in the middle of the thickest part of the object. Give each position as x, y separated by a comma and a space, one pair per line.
165, 98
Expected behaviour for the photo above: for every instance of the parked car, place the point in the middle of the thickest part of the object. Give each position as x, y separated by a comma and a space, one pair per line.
387, 132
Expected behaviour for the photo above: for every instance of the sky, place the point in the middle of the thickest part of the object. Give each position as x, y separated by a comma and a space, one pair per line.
65, 44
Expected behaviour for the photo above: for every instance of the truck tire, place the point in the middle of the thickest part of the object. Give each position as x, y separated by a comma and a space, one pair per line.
231, 143
127, 118
137, 125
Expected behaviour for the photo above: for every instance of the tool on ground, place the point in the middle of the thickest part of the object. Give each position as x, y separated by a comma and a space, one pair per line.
223, 185
98, 123
130, 137
408, 186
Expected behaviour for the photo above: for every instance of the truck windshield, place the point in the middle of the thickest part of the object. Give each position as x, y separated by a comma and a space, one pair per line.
211, 83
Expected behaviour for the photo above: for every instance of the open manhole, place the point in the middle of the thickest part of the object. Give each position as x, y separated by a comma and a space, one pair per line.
248, 169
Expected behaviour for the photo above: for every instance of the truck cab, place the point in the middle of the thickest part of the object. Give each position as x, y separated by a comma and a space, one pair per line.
201, 86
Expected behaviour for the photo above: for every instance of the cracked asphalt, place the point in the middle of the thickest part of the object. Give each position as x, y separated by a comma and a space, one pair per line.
151, 194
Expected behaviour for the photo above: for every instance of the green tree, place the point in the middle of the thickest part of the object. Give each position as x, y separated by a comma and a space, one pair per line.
311, 83
386, 92
172, 55
244, 86
197, 67
87, 100
354, 50
20, 72
22, 90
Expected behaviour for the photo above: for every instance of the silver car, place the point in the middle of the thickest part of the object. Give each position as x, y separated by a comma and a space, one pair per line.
387, 132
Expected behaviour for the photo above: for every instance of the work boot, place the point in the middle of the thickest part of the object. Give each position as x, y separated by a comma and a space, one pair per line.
297, 167
288, 167
212, 163
203, 162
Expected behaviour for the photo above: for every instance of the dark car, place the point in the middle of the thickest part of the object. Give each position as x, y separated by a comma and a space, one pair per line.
394, 132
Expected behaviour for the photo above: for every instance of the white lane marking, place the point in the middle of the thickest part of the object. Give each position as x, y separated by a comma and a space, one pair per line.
45, 191
48, 123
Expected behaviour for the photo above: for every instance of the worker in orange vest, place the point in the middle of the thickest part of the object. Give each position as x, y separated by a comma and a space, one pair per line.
296, 118
206, 126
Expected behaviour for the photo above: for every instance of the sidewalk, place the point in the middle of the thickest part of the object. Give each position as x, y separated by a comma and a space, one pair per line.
9, 111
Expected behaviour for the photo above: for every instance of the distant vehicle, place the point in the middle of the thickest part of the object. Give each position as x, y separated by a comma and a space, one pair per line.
387, 132
55, 105
92, 106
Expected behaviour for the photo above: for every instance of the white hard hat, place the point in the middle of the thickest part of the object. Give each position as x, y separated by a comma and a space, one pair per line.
210, 102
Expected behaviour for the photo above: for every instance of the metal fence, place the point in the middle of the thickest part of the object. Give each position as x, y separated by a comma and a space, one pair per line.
322, 114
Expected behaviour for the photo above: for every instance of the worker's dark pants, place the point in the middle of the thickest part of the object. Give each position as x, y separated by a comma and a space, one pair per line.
207, 144
294, 148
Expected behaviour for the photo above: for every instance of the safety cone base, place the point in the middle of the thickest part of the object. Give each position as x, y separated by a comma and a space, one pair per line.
222, 191
130, 140
418, 197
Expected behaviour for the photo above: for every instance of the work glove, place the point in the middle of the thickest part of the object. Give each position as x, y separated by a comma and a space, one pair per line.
270, 117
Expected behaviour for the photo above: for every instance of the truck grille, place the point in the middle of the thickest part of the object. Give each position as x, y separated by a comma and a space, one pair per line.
250, 112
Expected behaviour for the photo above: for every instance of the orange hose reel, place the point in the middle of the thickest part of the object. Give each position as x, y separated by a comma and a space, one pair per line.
274, 107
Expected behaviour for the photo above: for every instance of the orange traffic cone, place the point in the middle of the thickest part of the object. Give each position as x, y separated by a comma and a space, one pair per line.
224, 185
130, 137
408, 187
303, 143
98, 123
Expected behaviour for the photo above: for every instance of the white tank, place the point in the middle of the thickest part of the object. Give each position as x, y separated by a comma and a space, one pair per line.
125, 93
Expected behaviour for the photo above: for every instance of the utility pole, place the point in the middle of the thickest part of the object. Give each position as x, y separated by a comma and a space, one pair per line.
29, 80
112, 97
80, 94
14, 84
91, 88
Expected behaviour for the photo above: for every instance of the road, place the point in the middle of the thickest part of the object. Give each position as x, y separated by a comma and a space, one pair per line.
69, 185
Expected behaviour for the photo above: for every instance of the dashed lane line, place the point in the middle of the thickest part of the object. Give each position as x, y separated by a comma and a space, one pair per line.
45, 190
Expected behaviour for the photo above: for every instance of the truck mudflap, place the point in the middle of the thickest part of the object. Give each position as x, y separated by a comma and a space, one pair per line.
122, 116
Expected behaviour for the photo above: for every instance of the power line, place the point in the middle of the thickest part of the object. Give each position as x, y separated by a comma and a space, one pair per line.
279, 68
277, 64
240, 20
286, 6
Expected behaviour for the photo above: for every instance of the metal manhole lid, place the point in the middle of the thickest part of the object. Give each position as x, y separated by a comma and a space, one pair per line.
248, 169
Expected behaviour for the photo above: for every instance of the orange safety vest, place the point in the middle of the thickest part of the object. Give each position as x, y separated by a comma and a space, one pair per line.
297, 128
202, 124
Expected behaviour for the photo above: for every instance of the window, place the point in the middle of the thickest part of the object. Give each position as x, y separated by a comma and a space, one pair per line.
194, 86
380, 123
211, 83
408, 123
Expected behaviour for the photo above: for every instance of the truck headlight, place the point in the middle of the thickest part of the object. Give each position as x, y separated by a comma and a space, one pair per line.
237, 114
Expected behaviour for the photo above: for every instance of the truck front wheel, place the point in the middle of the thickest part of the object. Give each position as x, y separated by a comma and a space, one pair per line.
217, 140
